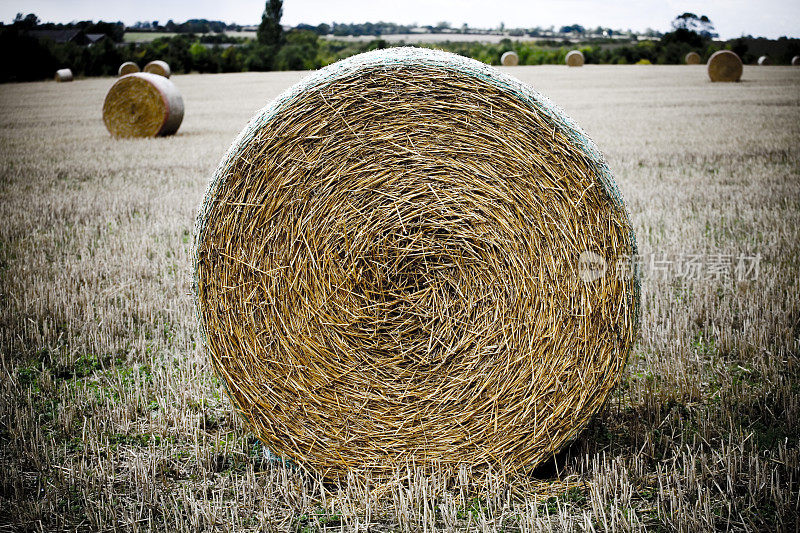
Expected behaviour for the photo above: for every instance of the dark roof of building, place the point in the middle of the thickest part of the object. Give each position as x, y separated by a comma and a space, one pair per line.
60, 36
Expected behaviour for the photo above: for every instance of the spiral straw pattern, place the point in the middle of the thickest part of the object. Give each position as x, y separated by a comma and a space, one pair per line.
574, 58
388, 269
128, 67
725, 65
143, 105
158, 67
509, 59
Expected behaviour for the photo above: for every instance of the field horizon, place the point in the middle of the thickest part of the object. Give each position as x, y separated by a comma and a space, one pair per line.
111, 418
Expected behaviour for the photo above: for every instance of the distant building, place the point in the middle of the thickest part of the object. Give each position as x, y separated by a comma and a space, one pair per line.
61, 36
95, 37
69, 36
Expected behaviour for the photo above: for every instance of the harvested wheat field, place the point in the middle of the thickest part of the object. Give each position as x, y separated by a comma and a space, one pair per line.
111, 417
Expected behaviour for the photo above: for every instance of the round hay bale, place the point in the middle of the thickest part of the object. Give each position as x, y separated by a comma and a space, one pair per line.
764, 60
692, 58
63, 74
410, 257
574, 58
158, 67
509, 59
795, 61
143, 105
128, 67
724, 65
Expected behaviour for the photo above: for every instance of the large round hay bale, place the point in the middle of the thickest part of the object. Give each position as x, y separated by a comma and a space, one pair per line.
411, 257
64, 74
692, 58
143, 105
509, 59
724, 66
574, 58
158, 67
128, 67
795, 61
764, 60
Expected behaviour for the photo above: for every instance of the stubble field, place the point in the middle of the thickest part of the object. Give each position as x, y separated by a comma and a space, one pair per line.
111, 419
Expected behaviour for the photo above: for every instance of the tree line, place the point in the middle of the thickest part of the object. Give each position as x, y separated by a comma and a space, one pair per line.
190, 26
113, 30
303, 49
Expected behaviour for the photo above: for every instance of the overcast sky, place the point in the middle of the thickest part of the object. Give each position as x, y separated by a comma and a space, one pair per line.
732, 18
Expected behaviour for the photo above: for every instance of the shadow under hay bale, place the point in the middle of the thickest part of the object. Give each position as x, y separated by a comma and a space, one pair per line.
143, 105
63, 75
692, 58
574, 58
509, 59
128, 67
390, 268
158, 67
725, 66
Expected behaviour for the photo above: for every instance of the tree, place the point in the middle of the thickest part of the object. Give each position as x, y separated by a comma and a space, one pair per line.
701, 25
200, 57
739, 46
270, 31
301, 51
28, 22
575, 28
231, 60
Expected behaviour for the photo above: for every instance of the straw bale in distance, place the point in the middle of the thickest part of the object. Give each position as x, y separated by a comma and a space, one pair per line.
387, 269
764, 60
128, 67
143, 105
574, 58
795, 61
64, 74
158, 67
725, 65
692, 58
509, 59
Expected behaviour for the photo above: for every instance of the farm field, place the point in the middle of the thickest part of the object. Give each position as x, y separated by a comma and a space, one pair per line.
411, 38
145, 36
418, 38
110, 418
149, 36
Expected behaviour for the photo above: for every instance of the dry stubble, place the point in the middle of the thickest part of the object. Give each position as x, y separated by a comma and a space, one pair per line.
108, 416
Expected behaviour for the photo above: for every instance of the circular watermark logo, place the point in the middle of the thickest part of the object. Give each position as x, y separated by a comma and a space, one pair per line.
591, 266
